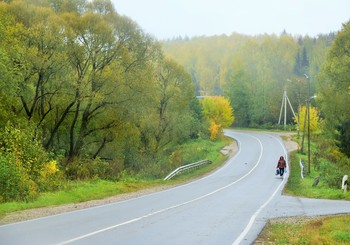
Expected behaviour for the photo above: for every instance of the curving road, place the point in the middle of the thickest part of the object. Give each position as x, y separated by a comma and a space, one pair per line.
230, 206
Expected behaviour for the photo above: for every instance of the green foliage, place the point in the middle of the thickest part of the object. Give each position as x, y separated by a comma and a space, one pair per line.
331, 174
334, 81
93, 169
343, 137
26, 168
327, 163
10, 180
97, 88
252, 71
237, 90
301, 66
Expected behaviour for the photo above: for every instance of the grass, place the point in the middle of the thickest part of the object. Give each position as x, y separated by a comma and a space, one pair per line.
322, 230
297, 186
81, 191
213, 155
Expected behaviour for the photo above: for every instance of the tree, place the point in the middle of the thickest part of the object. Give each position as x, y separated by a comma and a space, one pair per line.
265, 64
334, 81
314, 119
343, 137
172, 99
79, 72
236, 88
219, 113
302, 64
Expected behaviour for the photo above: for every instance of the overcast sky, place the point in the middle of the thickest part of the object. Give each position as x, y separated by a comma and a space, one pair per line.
165, 19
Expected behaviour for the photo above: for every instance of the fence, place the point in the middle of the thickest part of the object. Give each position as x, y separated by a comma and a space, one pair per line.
186, 167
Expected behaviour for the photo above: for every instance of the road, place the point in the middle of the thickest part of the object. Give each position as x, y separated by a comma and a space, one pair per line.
229, 206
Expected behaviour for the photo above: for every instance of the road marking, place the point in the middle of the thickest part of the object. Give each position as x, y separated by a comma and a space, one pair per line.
255, 215
169, 208
252, 219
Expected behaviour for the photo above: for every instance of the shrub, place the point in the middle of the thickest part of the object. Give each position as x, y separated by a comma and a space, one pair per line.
331, 174
84, 169
23, 162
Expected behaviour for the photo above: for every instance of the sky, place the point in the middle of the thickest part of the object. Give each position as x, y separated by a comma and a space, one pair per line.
166, 19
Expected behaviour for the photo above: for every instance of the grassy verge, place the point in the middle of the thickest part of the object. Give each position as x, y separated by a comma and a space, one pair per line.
78, 192
213, 155
326, 230
297, 186
321, 230
81, 191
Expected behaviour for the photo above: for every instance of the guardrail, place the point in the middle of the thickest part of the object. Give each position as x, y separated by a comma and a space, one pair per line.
186, 167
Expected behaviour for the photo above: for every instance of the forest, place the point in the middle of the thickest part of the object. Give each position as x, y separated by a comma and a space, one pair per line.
254, 71
86, 93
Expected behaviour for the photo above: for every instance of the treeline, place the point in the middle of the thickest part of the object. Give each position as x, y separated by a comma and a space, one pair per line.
334, 91
85, 93
253, 71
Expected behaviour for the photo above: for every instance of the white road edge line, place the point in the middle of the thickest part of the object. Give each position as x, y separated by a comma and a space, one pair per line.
253, 218
169, 208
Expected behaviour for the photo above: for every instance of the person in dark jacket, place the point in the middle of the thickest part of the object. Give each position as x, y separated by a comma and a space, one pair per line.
281, 165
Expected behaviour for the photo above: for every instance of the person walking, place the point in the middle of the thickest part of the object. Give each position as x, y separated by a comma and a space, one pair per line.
281, 165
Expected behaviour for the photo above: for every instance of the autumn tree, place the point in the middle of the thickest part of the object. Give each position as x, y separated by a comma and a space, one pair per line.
219, 113
302, 116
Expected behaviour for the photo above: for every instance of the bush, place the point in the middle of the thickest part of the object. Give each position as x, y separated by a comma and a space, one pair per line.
9, 179
15, 184
330, 174
92, 169
24, 164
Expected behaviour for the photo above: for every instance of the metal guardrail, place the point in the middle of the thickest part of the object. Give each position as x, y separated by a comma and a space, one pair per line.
186, 167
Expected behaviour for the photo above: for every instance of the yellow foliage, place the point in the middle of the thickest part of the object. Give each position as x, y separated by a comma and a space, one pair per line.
218, 111
49, 168
213, 129
314, 118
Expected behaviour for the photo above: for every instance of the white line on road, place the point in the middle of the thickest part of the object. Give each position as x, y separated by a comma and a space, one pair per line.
253, 218
169, 208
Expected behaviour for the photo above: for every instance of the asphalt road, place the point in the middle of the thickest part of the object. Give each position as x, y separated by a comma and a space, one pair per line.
229, 206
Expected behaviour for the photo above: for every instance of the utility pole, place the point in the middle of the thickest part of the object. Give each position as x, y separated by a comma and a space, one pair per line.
308, 125
285, 99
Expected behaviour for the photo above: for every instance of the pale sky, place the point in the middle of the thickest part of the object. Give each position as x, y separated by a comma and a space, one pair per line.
165, 19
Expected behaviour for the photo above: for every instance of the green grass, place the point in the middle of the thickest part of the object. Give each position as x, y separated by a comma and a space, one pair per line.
81, 191
297, 186
323, 230
212, 153
330, 230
